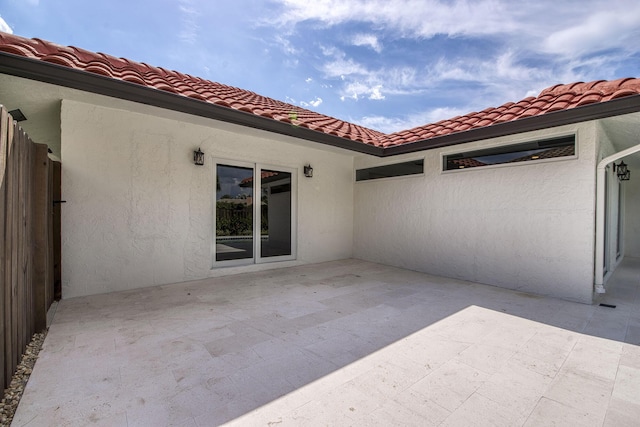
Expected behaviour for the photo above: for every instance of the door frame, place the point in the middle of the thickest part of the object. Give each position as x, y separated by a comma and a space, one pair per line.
257, 257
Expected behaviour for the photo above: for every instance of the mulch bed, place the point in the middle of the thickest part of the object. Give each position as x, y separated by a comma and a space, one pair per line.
13, 393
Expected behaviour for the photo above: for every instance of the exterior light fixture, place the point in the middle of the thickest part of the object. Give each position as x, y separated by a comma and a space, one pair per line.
17, 115
308, 171
198, 157
622, 172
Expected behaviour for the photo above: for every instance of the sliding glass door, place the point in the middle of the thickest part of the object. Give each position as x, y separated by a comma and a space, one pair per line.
254, 214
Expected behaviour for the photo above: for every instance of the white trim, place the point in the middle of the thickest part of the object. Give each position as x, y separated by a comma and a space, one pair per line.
259, 259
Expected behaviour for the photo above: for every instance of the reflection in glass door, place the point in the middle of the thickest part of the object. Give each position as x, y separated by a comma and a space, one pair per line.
254, 220
275, 233
234, 213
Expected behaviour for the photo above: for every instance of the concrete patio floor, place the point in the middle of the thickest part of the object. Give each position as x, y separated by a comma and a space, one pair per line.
339, 343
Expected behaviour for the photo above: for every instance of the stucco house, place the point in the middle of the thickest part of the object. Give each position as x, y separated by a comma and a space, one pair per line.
522, 196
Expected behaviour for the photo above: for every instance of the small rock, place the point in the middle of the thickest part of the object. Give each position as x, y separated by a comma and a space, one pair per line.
13, 393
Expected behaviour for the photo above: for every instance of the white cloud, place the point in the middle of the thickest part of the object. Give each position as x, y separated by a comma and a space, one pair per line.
189, 21
528, 28
342, 67
5, 27
371, 83
359, 81
394, 124
286, 45
426, 18
503, 50
423, 18
601, 30
291, 63
308, 80
313, 103
370, 40
376, 94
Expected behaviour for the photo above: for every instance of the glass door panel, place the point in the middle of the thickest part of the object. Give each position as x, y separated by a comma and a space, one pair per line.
275, 224
234, 213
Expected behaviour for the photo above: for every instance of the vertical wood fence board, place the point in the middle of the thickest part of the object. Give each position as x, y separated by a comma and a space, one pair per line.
23, 261
26, 242
8, 256
16, 250
11, 252
28, 211
19, 282
4, 138
4, 121
28, 279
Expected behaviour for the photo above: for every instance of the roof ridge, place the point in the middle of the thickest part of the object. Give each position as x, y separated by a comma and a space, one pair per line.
554, 98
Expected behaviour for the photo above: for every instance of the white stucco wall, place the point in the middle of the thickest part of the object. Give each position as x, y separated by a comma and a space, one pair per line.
527, 226
139, 212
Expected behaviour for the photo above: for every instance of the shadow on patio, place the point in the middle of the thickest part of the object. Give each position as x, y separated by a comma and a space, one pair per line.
339, 343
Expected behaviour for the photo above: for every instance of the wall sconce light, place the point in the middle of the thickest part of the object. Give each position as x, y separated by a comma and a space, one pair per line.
308, 171
622, 172
198, 157
17, 115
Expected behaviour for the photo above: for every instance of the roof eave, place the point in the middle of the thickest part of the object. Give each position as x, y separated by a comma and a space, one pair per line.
38, 70
35, 69
600, 110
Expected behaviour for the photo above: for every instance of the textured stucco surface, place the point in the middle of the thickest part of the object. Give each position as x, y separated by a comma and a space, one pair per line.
526, 226
139, 212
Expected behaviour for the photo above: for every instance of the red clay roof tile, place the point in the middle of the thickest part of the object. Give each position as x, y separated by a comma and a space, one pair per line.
555, 98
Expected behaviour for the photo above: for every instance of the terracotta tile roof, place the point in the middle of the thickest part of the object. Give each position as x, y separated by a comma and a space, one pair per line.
185, 85
555, 98
550, 153
247, 182
467, 162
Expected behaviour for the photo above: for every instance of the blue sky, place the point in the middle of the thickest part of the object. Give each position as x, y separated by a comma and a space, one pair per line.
388, 65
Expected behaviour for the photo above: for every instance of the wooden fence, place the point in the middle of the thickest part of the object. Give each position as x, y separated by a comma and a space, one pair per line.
26, 242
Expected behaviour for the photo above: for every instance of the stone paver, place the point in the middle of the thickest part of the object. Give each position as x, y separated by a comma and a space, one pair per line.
340, 343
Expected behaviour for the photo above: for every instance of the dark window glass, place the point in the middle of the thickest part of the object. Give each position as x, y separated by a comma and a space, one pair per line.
413, 167
275, 226
234, 213
536, 150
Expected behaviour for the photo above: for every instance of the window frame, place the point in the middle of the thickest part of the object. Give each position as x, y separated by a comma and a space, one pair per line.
410, 175
466, 153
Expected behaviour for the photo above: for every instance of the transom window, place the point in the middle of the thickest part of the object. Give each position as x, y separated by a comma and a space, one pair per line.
525, 152
413, 167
